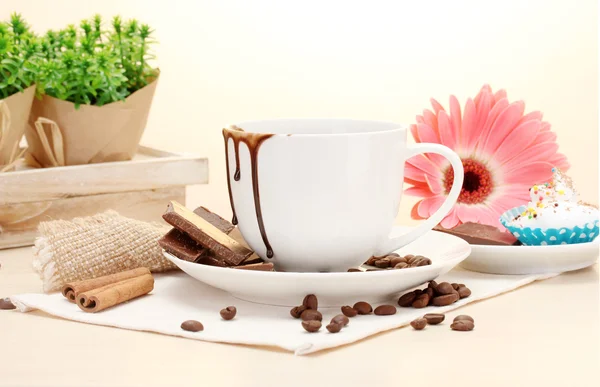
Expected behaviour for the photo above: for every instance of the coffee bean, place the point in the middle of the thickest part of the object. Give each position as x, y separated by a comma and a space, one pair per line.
455, 285
385, 310
418, 324
407, 299
311, 314
444, 288
447, 299
192, 326
462, 325
434, 318
373, 269
6, 304
334, 327
432, 284
382, 263
296, 311
371, 261
464, 317
420, 261
349, 311
409, 258
312, 325
421, 301
393, 255
363, 307
464, 292
396, 260
340, 319
401, 265
228, 313
311, 302
429, 292
353, 270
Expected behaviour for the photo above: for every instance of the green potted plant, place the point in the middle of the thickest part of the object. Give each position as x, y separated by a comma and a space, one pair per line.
18, 48
96, 88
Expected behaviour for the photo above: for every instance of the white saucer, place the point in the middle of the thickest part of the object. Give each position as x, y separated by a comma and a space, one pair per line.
531, 259
334, 289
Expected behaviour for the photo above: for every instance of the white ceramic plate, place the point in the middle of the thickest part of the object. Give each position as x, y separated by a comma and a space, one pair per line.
531, 259
334, 289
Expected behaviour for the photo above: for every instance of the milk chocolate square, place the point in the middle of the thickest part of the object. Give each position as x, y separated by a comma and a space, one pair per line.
480, 234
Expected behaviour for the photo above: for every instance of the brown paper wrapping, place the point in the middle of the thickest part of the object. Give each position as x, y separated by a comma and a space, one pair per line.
72, 289
58, 134
13, 121
95, 300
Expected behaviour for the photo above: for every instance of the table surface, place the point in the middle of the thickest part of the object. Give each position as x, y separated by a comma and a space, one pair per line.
546, 334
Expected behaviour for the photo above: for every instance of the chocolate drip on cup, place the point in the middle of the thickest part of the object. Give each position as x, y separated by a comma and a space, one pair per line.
253, 141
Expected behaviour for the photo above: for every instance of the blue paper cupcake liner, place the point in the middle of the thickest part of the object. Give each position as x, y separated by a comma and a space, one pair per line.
550, 236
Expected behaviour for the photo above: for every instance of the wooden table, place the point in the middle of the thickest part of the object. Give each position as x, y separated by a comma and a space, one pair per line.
545, 334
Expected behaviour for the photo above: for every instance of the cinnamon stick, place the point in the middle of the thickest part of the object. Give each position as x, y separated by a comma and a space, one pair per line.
72, 289
98, 299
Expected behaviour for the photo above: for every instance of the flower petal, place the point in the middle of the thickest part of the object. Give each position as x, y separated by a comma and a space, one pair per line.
455, 118
540, 151
427, 134
414, 212
500, 94
414, 132
413, 173
485, 89
535, 115
419, 191
424, 164
435, 185
560, 161
545, 126
469, 130
483, 132
539, 171
437, 107
450, 220
430, 119
483, 108
501, 128
490, 217
467, 213
446, 130
517, 141
546, 136
428, 206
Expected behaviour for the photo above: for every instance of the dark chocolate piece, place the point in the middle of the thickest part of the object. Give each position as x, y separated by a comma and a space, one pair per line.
263, 266
480, 234
182, 246
214, 219
221, 245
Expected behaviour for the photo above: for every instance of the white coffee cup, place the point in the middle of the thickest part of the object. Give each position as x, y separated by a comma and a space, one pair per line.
324, 192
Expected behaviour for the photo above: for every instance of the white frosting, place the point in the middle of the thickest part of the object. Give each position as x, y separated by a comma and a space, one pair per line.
555, 205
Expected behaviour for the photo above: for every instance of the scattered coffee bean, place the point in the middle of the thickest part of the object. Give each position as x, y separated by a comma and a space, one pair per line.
391, 255
396, 260
296, 311
382, 263
312, 325
434, 318
353, 270
455, 285
385, 310
444, 288
432, 284
6, 304
401, 265
421, 301
192, 326
447, 299
311, 314
464, 317
430, 293
418, 324
407, 299
409, 258
464, 291
311, 302
363, 307
373, 269
371, 261
349, 311
334, 327
462, 325
228, 313
340, 319
420, 261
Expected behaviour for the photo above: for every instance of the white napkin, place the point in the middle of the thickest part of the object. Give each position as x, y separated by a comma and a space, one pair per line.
177, 297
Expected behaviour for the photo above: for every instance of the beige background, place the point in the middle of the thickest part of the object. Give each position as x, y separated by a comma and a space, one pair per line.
227, 61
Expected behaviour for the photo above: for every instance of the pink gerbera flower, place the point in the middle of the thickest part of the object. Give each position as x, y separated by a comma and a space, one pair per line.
503, 151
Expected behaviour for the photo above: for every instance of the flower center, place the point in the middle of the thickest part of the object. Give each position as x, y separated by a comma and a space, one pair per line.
477, 185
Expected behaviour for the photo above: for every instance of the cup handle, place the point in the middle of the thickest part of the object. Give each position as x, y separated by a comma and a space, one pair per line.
402, 240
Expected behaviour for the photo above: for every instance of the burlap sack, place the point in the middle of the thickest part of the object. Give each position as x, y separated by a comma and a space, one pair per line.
14, 112
58, 134
94, 246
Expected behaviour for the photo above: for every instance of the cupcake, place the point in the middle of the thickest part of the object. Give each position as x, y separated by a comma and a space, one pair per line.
554, 216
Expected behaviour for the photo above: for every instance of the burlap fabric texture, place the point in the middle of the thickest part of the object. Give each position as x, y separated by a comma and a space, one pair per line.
94, 246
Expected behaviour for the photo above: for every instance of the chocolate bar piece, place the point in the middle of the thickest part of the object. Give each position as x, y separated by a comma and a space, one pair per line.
182, 246
480, 234
262, 266
214, 219
221, 245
